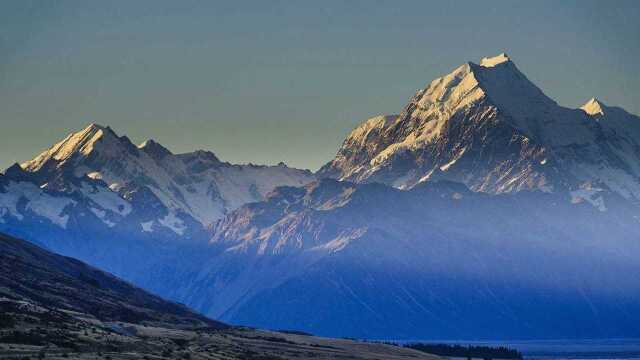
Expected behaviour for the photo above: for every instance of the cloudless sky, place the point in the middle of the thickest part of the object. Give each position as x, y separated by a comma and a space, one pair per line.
270, 81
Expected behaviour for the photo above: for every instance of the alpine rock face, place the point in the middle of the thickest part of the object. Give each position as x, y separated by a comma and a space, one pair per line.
97, 196
488, 127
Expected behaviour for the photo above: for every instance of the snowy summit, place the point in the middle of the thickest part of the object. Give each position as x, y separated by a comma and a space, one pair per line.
593, 107
493, 61
489, 127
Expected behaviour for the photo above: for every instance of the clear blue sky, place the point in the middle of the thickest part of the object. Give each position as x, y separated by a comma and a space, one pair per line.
269, 81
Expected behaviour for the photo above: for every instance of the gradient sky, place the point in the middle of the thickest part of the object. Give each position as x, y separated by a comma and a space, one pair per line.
271, 81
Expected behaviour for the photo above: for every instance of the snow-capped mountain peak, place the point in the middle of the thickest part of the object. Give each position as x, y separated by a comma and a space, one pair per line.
154, 149
488, 126
493, 61
79, 143
146, 184
593, 107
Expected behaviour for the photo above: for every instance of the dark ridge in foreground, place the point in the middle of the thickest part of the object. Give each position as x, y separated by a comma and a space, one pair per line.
30, 273
56, 307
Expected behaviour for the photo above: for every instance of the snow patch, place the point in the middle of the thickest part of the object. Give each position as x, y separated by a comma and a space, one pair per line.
106, 199
590, 195
493, 61
341, 242
455, 158
147, 226
102, 215
41, 203
174, 223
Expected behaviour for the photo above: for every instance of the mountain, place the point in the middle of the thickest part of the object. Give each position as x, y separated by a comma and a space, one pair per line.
98, 197
437, 261
195, 185
487, 126
45, 280
483, 210
58, 307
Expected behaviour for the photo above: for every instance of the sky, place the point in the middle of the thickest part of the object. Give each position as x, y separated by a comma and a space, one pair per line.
271, 81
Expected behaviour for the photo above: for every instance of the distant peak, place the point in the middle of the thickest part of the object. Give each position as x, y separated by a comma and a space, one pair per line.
199, 157
154, 149
16, 172
94, 129
593, 107
79, 143
94, 126
148, 143
205, 154
496, 60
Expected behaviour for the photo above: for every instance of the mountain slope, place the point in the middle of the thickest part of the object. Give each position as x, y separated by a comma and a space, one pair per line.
489, 127
438, 261
32, 274
58, 307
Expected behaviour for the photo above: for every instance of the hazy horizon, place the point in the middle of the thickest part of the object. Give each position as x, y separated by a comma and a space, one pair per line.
269, 82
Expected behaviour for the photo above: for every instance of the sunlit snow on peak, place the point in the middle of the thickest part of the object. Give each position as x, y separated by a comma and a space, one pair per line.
593, 107
493, 61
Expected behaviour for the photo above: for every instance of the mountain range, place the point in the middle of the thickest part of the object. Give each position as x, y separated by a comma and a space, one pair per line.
483, 210
98, 197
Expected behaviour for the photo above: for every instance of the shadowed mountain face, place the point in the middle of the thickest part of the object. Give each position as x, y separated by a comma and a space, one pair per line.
438, 261
58, 307
31, 274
